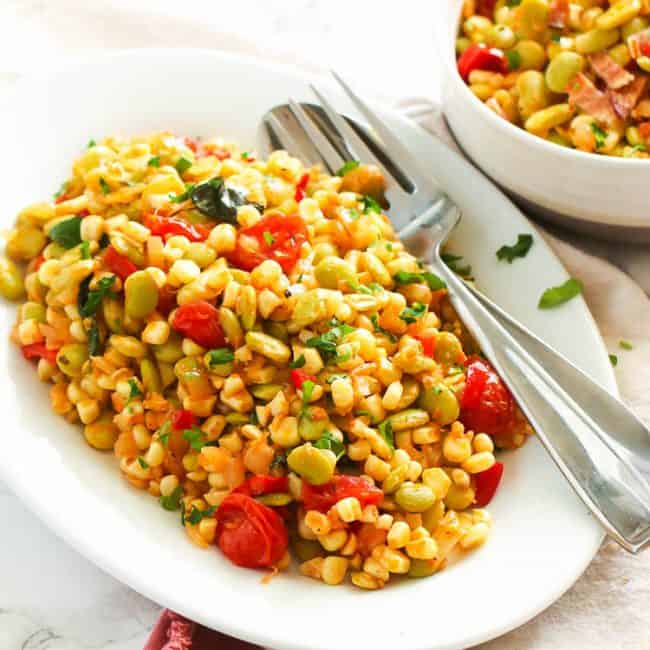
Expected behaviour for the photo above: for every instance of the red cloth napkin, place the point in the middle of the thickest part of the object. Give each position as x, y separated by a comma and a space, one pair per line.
175, 632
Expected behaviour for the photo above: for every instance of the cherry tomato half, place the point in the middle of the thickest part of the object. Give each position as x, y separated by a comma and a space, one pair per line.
299, 377
263, 484
479, 56
169, 226
486, 404
183, 419
323, 497
276, 237
199, 321
249, 533
487, 483
40, 351
121, 265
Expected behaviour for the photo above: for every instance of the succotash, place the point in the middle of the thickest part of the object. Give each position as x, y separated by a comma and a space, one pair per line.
574, 73
262, 356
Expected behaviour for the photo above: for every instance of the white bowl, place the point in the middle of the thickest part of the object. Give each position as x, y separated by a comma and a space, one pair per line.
543, 537
601, 195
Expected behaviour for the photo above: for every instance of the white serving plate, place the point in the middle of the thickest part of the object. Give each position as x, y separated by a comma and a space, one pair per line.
603, 196
543, 537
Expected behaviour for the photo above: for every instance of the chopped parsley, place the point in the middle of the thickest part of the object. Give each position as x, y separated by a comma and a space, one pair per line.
333, 378
220, 356
613, 359
163, 433
197, 515
353, 214
329, 441
91, 143
599, 135
85, 250
143, 463
245, 155
625, 345
348, 167
173, 501
62, 190
67, 233
327, 343
342, 358
154, 162
453, 262
93, 338
370, 205
134, 391
406, 277
195, 437
386, 432
268, 238
299, 362
638, 147
89, 303
514, 59
104, 186
182, 165
412, 313
555, 296
374, 319
518, 249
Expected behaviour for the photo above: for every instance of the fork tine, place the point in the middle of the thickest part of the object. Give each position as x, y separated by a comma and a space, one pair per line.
328, 153
354, 142
401, 155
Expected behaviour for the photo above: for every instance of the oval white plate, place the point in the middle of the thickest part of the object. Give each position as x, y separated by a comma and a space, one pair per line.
543, 537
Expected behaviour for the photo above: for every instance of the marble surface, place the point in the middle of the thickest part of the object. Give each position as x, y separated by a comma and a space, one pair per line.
53, 599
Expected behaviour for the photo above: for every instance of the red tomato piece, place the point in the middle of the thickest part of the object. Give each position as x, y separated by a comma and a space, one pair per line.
276, 237
486, 8
299, 377
428, 344
323, 497
644, 46
183, 419
121, 265
249, 533
486, 404
40, 351
479, 56
263, 484
487, 483
83, 213
644, 128
169, 226
300, 188
199, 321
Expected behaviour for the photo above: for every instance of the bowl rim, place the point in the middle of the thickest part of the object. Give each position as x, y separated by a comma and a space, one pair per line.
598, 161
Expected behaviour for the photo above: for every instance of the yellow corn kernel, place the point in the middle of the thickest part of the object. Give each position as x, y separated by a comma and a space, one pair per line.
349, 509
398, 535
375, 568
475, 536
377, 468
318, 523
334, 540
438, 480
479, 462
396, 561
366, 581
156, 333
424, 548
333, 570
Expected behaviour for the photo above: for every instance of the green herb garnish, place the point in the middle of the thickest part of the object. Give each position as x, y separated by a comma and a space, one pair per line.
195, 437
452, 261
279, 460
625, 345
154, 162
67, 233
85, 250
104, 186
556, 296
519, 249
62, 190
307, 388
599, 135
143, 463
93, 339
182, 165
329, 441
94, 298
299, 362
104, 241
220, 356
374, 319
638, 147
91, 143
333, 378
406, 277
613, 359
268, 238
179, 198
327, 343
134, 391
412, 313
348, 167
163, 432
370, 205
173, 501
197, 515
514, 59
386, 432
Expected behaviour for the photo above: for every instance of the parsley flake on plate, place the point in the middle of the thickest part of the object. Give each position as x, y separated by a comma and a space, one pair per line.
514, 59
625, 345
519, 249
195, 437
555, 296
613, 359
196, 515
453, 262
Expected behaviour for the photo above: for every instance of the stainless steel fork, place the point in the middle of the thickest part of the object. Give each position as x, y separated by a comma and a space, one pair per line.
599, 445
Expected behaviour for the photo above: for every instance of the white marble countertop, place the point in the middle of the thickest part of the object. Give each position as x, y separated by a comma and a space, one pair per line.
51, 598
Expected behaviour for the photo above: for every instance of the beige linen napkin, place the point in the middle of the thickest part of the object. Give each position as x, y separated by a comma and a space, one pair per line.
608, 606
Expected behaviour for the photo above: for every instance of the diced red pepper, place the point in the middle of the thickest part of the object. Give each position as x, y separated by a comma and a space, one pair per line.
121, 265
183, 419
479, 56
299, 377
38, 262
40, 351
428, 344
169, 226
300, 188
263, 484
487, 483
644, 130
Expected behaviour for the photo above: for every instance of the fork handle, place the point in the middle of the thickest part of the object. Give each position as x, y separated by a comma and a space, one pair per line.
578, 433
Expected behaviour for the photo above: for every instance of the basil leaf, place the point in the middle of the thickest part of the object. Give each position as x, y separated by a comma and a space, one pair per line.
518, 249
182, 165
299, 362
104, 241
556, 296
173, 501
217, 201
154, 162
386, 432
179, 198
94, 298
328, 342
329, 441
412, 313
67, 233
220, 356
134, 391
349, 166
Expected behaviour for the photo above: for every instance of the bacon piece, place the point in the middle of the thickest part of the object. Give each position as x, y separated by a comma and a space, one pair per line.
614, 75
559, 14
584, 95
625, 99
639, 44
642, 110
